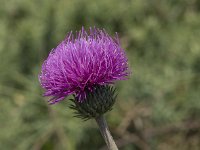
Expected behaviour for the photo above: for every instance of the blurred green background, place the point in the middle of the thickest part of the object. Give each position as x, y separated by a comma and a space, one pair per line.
158, 108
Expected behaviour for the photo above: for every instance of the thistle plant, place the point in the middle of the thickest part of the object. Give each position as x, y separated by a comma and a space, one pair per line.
86, 65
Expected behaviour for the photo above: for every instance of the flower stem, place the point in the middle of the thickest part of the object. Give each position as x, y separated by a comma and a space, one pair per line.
103, 127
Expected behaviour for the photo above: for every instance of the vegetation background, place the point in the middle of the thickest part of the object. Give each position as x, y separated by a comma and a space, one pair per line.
158, 108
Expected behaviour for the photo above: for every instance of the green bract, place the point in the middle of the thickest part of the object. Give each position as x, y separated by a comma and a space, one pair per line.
97, 102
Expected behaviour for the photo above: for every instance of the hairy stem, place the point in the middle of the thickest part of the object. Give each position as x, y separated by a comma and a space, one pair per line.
103, 127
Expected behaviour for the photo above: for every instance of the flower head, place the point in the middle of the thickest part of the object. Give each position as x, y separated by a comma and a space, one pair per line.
81, 62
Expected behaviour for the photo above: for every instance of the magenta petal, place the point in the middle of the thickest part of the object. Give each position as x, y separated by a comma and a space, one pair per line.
79, 63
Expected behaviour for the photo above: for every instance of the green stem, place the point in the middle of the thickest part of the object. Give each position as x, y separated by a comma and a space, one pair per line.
103, 127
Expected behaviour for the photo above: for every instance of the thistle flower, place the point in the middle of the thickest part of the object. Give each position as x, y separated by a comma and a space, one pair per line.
85, 65
81, 63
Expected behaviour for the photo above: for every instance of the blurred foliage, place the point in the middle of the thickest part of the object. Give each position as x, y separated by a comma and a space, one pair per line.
157, 108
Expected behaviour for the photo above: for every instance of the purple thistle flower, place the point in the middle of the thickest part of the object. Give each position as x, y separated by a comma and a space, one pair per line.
80, 63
